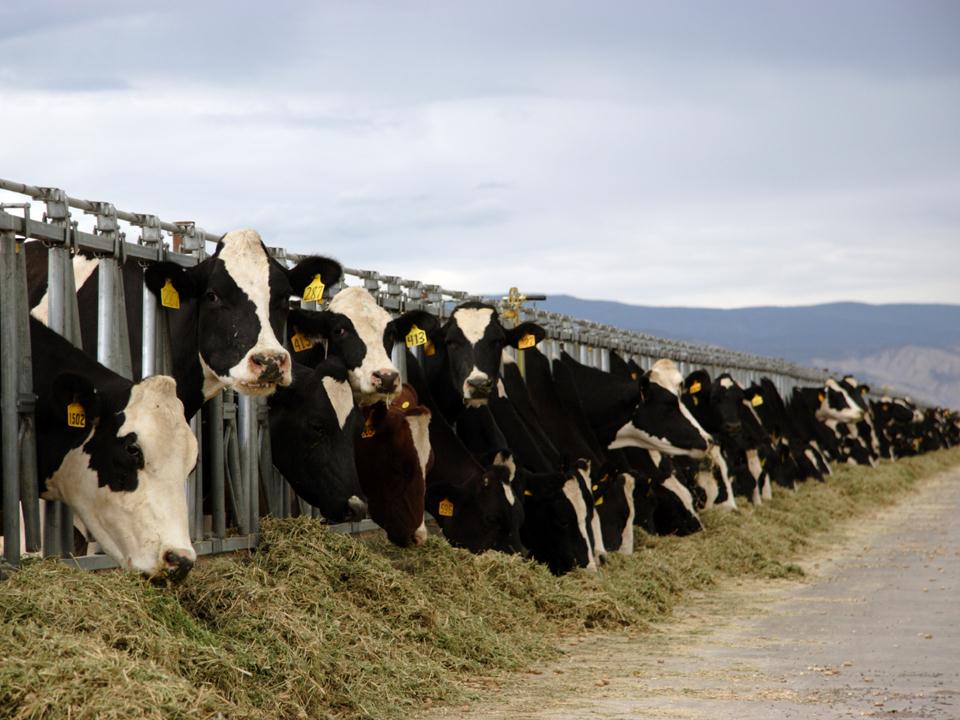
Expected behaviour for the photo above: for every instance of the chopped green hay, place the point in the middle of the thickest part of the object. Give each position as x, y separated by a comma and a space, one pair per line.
319, 625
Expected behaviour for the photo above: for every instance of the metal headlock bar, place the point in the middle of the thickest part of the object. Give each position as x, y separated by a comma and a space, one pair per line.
233, 431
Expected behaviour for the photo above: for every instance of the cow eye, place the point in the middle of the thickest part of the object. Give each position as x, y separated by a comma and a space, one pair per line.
211, 296
134, 451
340, 332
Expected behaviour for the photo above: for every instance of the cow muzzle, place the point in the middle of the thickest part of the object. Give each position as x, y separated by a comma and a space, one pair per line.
176, 565
385, 381
269, 368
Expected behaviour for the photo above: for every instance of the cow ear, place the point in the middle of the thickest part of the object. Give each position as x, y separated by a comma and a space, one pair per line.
75, 400
520, 336
305, 271
316, 324
186, 281
400, 327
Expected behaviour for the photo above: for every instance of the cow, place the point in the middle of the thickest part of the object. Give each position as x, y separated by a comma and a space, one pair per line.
646, 413
376, 379
476, 508
465, 366
314, 427
394, 457
117, 452
226, 314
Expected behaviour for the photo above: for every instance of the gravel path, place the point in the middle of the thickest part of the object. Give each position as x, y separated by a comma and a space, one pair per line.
873, 631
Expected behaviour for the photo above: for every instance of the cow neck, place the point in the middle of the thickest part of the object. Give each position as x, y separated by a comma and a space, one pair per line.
185, 347
446, 397
52, 354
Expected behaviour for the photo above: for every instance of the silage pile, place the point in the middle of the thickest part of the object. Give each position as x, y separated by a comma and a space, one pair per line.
317, 625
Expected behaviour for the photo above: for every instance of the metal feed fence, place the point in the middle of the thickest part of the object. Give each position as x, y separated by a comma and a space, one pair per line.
243, 484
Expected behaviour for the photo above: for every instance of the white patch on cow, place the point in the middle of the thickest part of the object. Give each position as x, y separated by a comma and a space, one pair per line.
420, 432
420, 534
721, 463
370, 321
136, 528
473, 322
83, 268
501, 389
358, 506
341, 397
665, 374
597, 548
632, 436
708, 483
511, 466
852, 413
681, 491
753, 463
626, 538
247, 263
506, 357
707, 437
571, 488
727, 383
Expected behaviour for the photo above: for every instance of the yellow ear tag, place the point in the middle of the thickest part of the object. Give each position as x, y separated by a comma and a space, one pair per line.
634, 376
76, 416
446, 508
429, 349
169, 297
756, 400
300, 342
696, 400
695, 388
527, 341
368, 431
405, 404
821, 397
416, 337
528, 493
595, 488
314, 291
598, 502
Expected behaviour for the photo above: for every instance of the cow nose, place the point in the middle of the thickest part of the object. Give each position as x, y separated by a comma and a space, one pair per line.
270, 367
481, 387
385, 380
178, 564
731, 427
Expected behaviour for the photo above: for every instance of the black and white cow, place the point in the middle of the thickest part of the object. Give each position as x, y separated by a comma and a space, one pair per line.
469, 348
375, 378
313, 428
226, 314
117, 452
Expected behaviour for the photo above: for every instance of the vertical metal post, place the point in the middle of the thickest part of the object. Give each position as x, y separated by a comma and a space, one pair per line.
217, 484
56, 515
9, 393
246, 423
148, 341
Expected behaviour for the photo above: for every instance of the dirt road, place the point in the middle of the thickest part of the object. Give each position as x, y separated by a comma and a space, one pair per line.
873, 631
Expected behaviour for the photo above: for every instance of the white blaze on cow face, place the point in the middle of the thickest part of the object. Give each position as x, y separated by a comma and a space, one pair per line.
473, 324
137, 528
420, 432
83, 268
370, 321
571, 488
247, 263
511, 466
341, 397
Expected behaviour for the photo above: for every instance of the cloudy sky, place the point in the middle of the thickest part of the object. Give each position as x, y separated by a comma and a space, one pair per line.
667, 153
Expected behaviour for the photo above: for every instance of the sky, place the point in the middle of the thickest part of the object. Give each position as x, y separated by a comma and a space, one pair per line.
719, 154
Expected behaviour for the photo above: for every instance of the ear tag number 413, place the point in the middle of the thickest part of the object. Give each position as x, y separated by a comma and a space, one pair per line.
416, 337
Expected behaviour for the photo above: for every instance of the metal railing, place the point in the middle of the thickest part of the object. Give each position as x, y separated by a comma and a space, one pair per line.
238, 441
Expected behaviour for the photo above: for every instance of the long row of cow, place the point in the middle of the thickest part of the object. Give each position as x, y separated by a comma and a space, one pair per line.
560, 461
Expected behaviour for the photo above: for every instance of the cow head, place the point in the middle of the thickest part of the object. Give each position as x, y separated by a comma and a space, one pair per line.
375, 378
313, 427
558, 521
660, 421
485, 513
839, 402
241, 299
473, 340
125, 478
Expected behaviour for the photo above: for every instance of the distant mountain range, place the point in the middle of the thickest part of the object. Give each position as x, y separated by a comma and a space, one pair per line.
915, 348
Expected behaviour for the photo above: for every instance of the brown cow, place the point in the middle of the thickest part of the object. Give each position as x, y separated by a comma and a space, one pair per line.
393, 457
